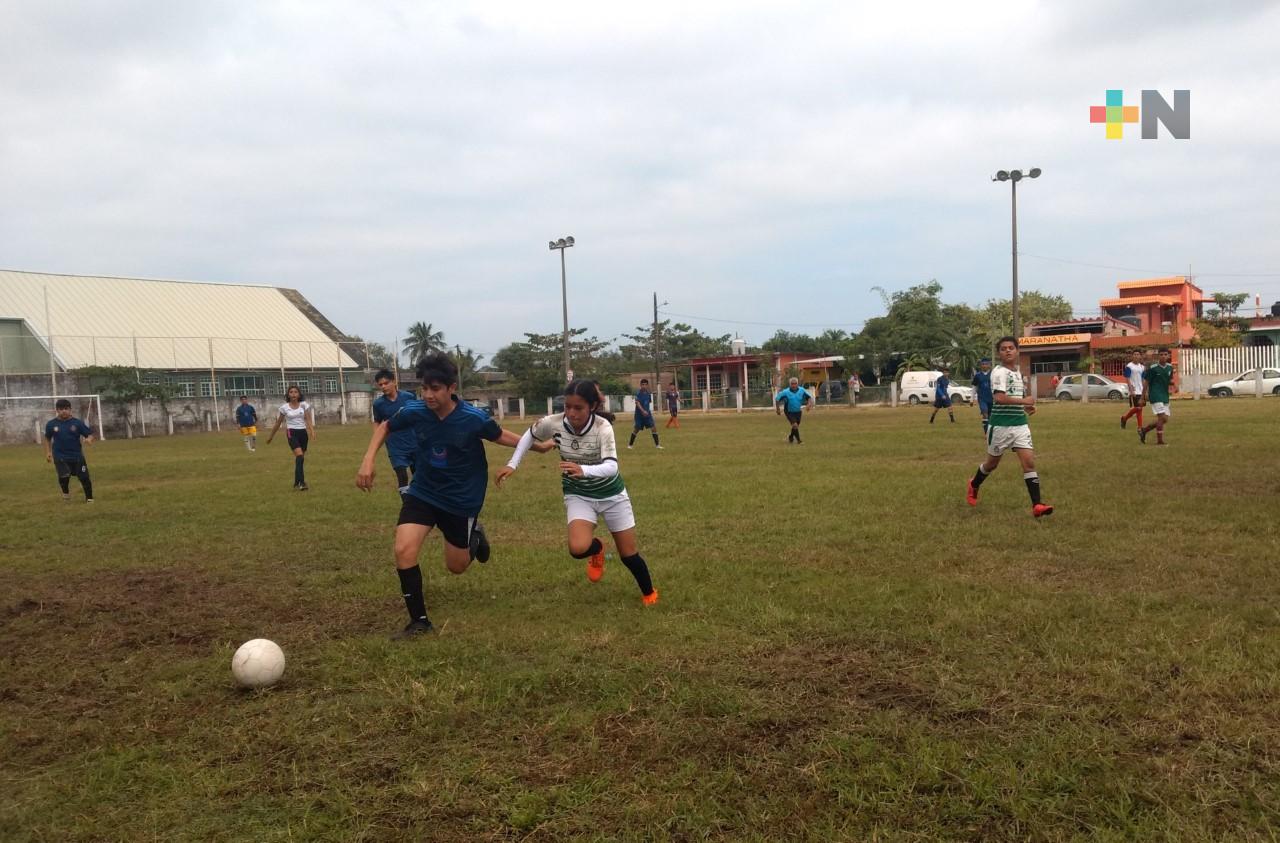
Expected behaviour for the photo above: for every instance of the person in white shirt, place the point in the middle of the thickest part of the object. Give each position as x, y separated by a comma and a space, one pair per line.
299, 421
1137, 393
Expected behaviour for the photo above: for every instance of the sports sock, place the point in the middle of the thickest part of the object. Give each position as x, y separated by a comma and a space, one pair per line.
411, 590
85, 482
633, 439
298, 476
979, 476
953, 416
1033, 485
246, 443
65, 483
1139, 415
655, 437
1159, 434
402, 478
595, 548
253, 443
635, 564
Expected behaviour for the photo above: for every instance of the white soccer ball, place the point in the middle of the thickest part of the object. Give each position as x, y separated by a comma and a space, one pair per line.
258, 663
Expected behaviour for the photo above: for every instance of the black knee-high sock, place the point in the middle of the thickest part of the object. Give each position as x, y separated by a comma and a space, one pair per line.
411, 590
979, 476
85, 482
298, 477
655, 437
595, 548
635, 564
633, 438
65, 483
402, 477
1033, 485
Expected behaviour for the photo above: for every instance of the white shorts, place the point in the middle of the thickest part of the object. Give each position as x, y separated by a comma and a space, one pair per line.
1160, 408
616, 511
1001, 438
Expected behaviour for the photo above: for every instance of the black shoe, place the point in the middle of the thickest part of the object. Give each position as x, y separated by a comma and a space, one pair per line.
1142, 436
303, 487
413, 630
479, 544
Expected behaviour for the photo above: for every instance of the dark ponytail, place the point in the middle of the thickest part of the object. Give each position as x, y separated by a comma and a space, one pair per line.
593, 394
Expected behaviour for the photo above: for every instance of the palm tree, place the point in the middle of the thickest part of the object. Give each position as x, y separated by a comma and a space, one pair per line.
468, 363
422, 341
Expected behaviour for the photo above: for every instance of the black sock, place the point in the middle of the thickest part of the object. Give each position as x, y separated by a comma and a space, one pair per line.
85, 482
402, 477
65, 483
797, 434
639, 570
978, 477
1033, 486
655, 437
595, 548
411, 590
633, 439
298, 478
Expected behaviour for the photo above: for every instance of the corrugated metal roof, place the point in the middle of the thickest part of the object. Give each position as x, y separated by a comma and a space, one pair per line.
173, 324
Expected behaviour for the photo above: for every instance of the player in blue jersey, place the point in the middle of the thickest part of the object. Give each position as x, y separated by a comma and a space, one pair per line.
982, 390
644, 414
795, 399
62, 447
247, 418
449, 482
402, 446
942, 397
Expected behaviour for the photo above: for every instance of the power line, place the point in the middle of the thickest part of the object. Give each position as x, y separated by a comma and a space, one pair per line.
764, 324
1153, 271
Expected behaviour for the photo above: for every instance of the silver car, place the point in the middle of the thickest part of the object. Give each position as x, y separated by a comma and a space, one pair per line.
1069, 388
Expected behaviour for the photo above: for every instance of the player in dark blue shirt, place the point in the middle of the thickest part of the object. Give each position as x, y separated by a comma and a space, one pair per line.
982, 389
247, 418
644, 414
62, 447
449, 482
942, 397
402, 445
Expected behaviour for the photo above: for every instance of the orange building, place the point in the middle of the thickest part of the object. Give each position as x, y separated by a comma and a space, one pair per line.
1161, 306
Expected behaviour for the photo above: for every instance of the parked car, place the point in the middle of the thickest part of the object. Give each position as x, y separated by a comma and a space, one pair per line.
918, 388
1246, 384
1100, 386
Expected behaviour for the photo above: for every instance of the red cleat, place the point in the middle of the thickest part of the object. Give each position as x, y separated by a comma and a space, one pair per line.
1040, 510
650, 599
971, 494
595, 567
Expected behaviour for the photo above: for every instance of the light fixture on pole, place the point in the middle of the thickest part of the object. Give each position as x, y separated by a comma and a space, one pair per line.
1013, 177
562, 244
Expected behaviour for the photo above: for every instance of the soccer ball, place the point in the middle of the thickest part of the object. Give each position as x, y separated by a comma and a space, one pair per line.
258, 663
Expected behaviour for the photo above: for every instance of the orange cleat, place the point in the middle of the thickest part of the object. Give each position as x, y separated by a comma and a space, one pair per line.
1041, 509
971, 494
595, 567
650, 599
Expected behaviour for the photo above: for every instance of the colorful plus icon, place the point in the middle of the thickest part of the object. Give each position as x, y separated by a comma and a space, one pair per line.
1115, 114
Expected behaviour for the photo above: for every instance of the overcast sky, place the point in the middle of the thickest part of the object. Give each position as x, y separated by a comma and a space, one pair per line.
761, 162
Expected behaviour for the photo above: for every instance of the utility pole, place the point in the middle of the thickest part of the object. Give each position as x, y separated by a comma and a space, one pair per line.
657, 376
458, 349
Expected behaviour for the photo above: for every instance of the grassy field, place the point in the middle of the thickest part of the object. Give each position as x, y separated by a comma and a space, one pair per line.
843, 649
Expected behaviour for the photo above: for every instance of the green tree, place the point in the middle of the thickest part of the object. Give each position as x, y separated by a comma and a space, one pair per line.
422, 340
535, 363
468, 363
121, 388
1212, 333
677, 342
373, 355
1228, 303
918, 326
995, 318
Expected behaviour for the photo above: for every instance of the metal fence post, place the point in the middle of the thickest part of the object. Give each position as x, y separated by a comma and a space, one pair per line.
522, 408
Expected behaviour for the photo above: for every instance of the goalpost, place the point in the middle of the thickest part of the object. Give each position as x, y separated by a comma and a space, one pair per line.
42, 412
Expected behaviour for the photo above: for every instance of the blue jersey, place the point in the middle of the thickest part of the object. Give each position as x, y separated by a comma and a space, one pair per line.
451, 472
246, 416
644, 403
64, 438
941, 388
795, 398
982, 383
402, 445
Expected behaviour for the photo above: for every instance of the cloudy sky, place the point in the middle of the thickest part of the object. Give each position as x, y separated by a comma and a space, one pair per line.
765, 164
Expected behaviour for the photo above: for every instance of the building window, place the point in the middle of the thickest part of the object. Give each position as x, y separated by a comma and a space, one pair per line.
244, 385
208, 389
330, 384
183, 389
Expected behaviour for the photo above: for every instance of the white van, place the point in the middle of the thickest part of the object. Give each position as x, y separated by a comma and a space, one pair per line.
918, 387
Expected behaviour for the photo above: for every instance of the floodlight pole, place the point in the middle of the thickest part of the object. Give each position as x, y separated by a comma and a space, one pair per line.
562, 244
1013, 177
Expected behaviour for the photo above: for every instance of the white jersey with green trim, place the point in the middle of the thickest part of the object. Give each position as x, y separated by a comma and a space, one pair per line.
593, 445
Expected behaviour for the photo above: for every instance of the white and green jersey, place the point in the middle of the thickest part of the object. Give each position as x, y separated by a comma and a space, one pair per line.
1008, 381
593, 445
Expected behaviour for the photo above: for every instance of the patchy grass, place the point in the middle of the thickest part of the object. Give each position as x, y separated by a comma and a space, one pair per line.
844, 649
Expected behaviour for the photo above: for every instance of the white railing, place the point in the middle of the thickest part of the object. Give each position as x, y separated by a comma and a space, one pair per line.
1228, 361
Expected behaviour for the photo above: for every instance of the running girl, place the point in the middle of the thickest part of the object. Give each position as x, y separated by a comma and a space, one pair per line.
590, 480
299, 420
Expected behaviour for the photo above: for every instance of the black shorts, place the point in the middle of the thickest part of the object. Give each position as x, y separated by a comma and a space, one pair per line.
1137, 400
297, 438
69, 468
643, 421
795, 417
455, 528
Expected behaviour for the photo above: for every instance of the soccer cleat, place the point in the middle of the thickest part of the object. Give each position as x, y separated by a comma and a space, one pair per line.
1142, 436
650, 599
479, 544
595, 567
303, 487
970, 493
1124, 420
629, 447
66, 497
659, 447
414, 629
88, 500
1041, 509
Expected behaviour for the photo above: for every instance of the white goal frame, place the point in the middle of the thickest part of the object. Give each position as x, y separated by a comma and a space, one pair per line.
97, 402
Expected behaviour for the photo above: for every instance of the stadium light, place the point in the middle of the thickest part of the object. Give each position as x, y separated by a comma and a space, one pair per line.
562, 244
1013, 177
